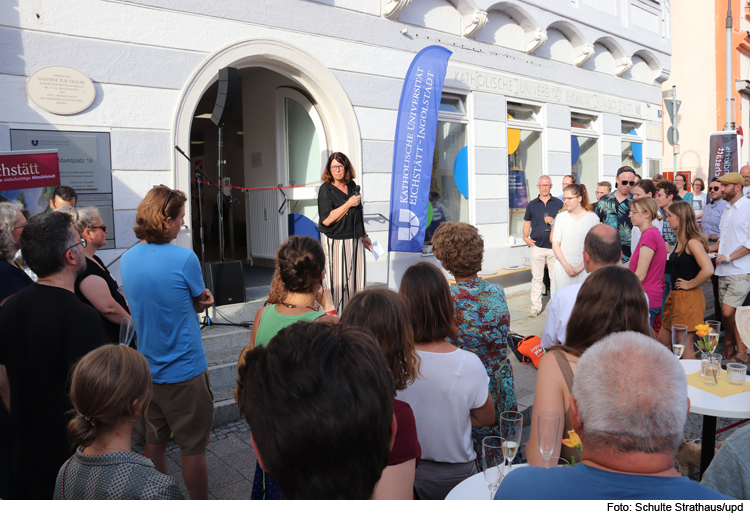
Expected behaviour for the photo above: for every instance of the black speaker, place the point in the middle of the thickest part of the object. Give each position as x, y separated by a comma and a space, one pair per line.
226, 282
228, 84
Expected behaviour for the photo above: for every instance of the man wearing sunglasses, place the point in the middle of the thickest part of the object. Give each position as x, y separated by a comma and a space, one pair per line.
710, 226
45, 330
614, 208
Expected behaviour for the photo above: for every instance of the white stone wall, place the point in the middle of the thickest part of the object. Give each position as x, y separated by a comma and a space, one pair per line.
143, 56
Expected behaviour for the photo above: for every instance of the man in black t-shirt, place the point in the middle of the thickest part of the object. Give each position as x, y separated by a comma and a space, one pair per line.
540, 213
45, 330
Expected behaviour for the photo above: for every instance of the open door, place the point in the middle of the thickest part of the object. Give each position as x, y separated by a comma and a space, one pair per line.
301, 154
302, 151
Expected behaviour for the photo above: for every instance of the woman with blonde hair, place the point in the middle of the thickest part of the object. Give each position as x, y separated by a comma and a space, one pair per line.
110, 391
569, 230
481, 315
650, 255
610, 300
382, 312
96, 286
691, 267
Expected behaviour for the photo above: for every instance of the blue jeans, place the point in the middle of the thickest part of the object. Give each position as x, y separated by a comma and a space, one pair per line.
652, 313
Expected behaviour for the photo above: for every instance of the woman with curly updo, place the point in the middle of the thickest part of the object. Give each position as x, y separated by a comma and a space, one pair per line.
110, 391
300, 266
481, 315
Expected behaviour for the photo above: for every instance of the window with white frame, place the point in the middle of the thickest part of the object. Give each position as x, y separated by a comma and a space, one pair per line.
632, 145
525, 158
584, 150
449, 189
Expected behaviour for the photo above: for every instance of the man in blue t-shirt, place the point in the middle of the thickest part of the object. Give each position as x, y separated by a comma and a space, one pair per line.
165, 289
628, 406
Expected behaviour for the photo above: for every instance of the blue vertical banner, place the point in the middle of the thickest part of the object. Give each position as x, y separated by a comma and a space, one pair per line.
414, 146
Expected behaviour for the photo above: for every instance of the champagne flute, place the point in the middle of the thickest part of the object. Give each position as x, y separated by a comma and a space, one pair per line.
679, 339
511, 427
493, 461
127, 329
548, 221
713, 334
548, 425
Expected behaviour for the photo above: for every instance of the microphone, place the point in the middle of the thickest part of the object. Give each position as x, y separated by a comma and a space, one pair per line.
180, 150
356, 190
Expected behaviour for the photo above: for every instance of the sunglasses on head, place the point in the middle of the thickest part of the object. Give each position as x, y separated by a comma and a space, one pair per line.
169, 197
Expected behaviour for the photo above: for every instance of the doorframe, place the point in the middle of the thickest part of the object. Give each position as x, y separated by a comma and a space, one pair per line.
332, 102
282, 178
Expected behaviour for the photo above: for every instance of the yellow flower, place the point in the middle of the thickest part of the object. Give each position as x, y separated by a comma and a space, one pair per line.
574, 440
702, 330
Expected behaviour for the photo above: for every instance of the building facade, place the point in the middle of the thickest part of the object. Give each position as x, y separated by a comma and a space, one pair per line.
700, 39
533, 87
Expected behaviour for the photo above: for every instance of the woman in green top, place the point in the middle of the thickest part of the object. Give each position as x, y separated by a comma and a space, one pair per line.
300, 262
300, 265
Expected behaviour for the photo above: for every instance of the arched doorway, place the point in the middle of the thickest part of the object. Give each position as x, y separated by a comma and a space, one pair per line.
302, 86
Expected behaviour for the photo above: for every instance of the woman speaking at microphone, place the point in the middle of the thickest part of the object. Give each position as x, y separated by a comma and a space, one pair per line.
342, 230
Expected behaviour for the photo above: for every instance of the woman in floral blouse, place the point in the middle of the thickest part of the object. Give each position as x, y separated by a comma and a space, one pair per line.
481, 314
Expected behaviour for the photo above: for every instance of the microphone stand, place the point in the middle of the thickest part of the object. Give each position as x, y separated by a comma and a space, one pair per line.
206, 319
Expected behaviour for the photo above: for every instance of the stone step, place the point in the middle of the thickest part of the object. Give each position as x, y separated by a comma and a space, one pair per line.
223, 345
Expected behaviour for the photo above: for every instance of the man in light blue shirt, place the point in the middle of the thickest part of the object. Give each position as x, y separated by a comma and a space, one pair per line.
710, 226
629, 405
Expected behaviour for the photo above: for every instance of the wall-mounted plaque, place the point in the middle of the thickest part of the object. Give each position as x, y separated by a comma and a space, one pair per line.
61, 90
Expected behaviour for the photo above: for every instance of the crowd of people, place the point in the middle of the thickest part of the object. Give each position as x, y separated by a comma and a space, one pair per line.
355, 394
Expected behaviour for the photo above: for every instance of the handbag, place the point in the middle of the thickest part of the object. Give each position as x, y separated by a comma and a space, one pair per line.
527, 349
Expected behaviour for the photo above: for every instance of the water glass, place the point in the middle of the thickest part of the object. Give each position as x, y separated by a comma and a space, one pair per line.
711, 368
493, 460
127, 330
679, 339
736, 373
706, 358
548, 433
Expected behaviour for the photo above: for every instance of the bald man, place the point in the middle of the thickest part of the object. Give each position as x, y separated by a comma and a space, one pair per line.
745, 172
601, 247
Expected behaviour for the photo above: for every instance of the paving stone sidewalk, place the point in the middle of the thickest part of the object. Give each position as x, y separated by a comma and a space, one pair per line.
231, 459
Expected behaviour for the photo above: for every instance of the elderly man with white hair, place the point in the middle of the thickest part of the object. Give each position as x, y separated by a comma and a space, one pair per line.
629, 405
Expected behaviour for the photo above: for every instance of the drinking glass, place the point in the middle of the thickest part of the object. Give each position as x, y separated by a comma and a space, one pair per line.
713, 334
547, 425
736, 373
711, 368
558, 462
547, 220
511, 427
127, 329
706, 359
679, 339
493, 460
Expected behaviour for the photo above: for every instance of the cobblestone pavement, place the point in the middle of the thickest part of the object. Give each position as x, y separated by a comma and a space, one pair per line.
231, 459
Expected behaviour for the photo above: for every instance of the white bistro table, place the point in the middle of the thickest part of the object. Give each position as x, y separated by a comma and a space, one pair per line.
711, 407
475, 487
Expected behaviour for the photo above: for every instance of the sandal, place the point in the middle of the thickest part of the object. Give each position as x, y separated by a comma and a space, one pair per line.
738, 360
